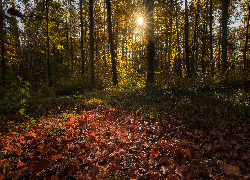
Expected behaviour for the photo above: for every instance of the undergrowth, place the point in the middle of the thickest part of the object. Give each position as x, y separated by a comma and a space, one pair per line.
199, 102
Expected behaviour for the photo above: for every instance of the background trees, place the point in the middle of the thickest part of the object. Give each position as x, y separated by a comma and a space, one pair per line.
66, 43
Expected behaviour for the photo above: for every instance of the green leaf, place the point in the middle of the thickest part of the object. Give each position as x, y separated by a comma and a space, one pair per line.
22, 101
27, 83
21, 111
20, 79
22, 90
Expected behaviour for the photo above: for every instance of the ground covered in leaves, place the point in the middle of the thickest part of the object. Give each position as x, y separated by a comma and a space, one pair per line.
126, 138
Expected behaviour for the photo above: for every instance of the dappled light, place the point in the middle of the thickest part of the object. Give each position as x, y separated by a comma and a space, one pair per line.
129, 89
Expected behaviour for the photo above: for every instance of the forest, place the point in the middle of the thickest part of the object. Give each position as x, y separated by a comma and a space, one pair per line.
124, 89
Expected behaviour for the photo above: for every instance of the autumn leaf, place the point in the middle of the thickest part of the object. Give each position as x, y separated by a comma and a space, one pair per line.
41, 164
20, 164
231, 170
54, 177
94, 170
164, 160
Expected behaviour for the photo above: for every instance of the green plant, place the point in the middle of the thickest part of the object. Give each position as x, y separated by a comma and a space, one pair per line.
22, 94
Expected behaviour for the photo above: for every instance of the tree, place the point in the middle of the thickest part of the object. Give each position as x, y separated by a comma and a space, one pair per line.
111, 42
2, 46
211, 37
82, 51
225, 4
150, 49
91, 36
246, 42
195, 42
47, 43
186, 41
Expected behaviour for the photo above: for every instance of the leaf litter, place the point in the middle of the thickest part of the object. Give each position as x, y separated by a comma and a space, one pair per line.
121, 144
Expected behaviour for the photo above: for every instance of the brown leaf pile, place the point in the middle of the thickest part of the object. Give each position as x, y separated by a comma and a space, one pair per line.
120, 144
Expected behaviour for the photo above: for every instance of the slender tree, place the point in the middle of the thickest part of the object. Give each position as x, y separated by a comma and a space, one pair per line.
186, 41
178, 40
82, 51
111, 42
47, 43
150, 50
91, 36
195, 42
170, 33
211, 37
225, 4
2, 46
246, 42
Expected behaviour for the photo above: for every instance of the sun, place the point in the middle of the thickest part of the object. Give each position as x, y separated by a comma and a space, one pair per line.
140, 20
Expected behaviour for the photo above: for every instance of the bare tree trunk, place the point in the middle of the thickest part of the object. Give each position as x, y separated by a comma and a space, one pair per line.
211, 38
104, 39
47, 43
178, 41
195, 43
170, 34
82, 51
149, 8
245, 49
2, 47
225, 4
111, 42
186, 41
91, 35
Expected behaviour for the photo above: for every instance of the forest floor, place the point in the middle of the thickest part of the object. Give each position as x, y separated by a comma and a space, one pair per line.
128, 135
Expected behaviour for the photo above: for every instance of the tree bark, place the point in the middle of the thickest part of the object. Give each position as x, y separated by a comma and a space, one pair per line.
150, 50
47, 43
211, 38
247, 36
111, 42
82, 51
178, 42
195, 38
91, 35
225, 4
170, 35
186, 41
2, 47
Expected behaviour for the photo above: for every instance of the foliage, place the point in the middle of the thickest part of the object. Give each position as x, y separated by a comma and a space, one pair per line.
21, 94
136, 133
176, 128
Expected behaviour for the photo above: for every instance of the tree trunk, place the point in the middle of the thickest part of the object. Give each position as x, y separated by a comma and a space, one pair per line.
2, 47
186, 41
149, 8
245, 49
47, 43
195, 43
211, 38
225, 4
219, 55
91, 35
111, 42
82, 51
170, 34
104, 38
178, 42
204, 43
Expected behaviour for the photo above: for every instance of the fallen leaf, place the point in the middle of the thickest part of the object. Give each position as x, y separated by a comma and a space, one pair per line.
41, 164
154, 176
164, 160
53, 177
20, 164
231, 170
